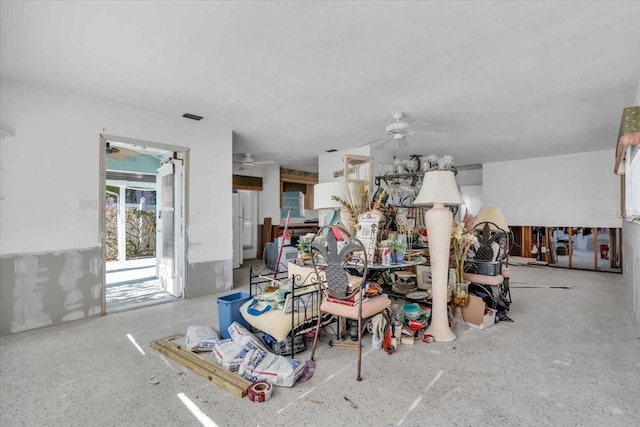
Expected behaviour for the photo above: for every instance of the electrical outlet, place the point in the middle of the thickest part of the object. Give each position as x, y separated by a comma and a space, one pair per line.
88, 205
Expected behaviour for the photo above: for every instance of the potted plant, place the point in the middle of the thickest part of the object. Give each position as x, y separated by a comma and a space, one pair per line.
398, 246
462, 240
304, 249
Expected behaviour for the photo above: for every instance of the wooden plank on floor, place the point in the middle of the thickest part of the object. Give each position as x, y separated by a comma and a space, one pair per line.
218, 375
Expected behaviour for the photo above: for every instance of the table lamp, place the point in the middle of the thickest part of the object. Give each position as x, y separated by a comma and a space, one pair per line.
491, 217
492, 225
323, 199
439, 188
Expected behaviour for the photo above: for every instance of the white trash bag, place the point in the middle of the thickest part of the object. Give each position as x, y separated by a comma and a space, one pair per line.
278, 370
229, 354
201, 338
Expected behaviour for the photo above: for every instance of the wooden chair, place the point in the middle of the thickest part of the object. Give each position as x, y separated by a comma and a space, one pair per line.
344, 267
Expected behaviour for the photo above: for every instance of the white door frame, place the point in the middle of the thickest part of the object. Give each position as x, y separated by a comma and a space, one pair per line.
181, 153
169, 270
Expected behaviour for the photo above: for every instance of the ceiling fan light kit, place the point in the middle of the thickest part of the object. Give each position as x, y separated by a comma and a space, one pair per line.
399, 130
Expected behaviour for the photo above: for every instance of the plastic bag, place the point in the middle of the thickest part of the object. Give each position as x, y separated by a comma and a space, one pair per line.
229, 354
278, 370
244, 338
201, 338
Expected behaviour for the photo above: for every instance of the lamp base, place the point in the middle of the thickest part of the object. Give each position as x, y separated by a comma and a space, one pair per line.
439, 221
441, 333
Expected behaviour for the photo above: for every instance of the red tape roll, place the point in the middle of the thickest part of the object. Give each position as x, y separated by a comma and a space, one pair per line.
260, 391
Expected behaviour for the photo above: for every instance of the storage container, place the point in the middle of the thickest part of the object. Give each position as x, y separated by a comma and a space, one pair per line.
229, 312
487, 268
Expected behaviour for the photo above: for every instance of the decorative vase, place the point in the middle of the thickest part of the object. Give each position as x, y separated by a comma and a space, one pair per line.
461, 294
460, 299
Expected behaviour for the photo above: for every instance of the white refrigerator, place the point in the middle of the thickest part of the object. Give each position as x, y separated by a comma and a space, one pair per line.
238, 224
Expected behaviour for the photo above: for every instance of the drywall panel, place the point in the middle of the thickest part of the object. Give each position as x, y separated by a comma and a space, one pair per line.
206, 278
575, 189
51, 170
49, 288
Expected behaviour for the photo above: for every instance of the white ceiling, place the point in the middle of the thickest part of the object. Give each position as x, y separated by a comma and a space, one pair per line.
504, 80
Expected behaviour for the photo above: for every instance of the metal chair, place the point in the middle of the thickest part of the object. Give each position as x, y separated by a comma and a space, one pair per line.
494, 247
340, 259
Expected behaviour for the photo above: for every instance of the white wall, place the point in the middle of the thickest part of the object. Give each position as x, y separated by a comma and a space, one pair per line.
472, 196
631, 255
52, 164
571, 190
331, 162
469, 177
270, 195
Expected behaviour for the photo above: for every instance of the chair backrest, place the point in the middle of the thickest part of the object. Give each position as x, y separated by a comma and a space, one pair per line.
494, 245
339, 262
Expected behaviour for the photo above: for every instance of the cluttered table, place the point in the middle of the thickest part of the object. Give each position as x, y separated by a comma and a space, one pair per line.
398, 280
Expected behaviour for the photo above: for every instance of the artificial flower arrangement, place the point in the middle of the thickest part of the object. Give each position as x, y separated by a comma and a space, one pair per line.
358, 202
462, 240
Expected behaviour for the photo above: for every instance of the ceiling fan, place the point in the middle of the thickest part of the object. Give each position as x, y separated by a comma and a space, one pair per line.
247, 162
120, 153
399, 130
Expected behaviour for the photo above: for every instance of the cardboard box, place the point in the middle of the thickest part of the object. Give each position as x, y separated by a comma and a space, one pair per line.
477, 315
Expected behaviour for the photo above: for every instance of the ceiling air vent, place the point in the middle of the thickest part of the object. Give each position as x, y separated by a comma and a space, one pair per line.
192, 116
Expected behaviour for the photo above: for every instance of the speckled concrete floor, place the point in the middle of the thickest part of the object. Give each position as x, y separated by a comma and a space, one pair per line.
572, 357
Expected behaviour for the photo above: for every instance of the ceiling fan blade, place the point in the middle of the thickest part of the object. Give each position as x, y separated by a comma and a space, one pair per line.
418, 124
264, 162
373, 141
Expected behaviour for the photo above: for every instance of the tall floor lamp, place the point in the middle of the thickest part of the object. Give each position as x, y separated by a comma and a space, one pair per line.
439, 188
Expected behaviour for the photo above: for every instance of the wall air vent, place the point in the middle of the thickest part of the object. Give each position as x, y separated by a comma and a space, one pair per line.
192, 116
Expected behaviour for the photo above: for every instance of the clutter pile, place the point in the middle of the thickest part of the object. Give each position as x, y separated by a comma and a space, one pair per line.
245, 356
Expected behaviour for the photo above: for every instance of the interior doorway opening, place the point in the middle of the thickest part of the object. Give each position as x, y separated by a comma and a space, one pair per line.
142, 223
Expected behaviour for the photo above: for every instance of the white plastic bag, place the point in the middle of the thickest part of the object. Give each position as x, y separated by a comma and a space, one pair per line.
278, 370
201, 338
229, 354
243, 337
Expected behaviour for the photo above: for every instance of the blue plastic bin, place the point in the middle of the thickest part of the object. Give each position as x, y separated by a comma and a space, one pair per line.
229, 312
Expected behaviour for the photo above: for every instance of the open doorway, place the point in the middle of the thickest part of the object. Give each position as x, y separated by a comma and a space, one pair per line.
142, 223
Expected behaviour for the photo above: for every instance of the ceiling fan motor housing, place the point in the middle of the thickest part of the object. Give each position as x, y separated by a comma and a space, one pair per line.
397, 128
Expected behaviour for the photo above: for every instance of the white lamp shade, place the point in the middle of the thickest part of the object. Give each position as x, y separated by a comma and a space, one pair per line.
323, 193
439, 186
493, 217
